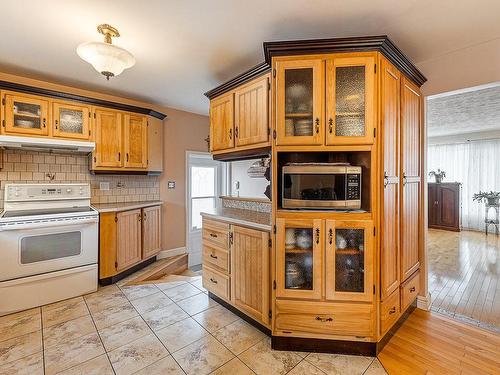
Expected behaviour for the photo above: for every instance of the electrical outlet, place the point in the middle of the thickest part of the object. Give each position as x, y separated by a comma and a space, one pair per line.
103, 186
171, 185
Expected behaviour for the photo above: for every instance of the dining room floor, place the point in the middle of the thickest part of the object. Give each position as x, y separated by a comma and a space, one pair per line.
170, 327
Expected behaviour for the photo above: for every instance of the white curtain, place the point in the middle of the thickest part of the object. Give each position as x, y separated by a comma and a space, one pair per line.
476, 165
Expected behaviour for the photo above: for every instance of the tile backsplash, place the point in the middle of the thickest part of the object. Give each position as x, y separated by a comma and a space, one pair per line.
21, 166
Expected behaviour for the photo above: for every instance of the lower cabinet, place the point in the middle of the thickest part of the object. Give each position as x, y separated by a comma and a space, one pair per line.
127, 238
236, 267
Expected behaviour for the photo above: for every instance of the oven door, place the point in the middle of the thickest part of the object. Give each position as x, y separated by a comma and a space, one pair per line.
314, 190
38, 247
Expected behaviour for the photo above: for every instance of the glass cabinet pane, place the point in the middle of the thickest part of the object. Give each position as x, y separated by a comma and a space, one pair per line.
26, 115
299, 102
299, 258
71, 121
350, 101
349, 260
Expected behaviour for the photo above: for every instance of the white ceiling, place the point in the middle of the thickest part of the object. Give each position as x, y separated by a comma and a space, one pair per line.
184, 48
472, 111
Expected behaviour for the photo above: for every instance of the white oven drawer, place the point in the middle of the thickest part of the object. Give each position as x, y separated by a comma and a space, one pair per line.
36, 248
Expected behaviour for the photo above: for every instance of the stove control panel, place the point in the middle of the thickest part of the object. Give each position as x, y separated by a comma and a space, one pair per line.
42, 192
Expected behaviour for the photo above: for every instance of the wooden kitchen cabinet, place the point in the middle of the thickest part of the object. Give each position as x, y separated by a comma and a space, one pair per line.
151, 231
251, 117
300, 102
222, 122
299, 258
349, 260
108, 136
71, 120
127, 238
128, 247
25, 114
350, 99
410, 178
135, 141
390, 87
250, 272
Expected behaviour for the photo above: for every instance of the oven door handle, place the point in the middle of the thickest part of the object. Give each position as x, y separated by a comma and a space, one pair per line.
49, 224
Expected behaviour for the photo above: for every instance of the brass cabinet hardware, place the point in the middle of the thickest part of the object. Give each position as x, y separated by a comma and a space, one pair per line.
412, 289
213, 235
317, 235
386, 179
319, 318
56, 123
213, 256
317, 125
230, 133
330, 126
392, 310
213, 281
330, 236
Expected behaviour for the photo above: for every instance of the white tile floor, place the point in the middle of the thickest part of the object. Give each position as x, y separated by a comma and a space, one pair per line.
171, 327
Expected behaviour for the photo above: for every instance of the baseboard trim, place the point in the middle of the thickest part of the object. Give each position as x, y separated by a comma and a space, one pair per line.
424, 302
171, 252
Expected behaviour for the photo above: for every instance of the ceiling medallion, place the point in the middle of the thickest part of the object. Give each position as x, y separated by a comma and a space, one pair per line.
106, 58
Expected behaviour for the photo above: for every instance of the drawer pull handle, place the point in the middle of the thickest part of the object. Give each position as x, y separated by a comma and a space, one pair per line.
213, 235
319, 318
412, 289
392, 310
213, 256
214, 281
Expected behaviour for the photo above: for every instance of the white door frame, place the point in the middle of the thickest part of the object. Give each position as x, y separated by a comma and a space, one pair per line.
221, 189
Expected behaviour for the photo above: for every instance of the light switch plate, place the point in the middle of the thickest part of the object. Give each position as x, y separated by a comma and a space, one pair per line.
171, 185
103, 186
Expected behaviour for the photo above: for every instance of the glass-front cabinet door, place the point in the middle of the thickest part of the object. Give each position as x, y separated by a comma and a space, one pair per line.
350, 93
71, 120
25, 114
349, 260
299, 251
300, 102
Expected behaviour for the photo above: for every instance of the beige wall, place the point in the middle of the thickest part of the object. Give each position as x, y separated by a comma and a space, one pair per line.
468, 67
182, 131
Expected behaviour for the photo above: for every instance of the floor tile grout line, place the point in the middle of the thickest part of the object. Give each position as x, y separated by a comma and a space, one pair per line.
154, 333
100, 338
373, 359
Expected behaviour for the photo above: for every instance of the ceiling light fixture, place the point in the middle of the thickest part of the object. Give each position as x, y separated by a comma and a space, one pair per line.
106, 58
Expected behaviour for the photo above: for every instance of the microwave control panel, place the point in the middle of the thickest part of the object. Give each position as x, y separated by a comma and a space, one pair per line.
353, 187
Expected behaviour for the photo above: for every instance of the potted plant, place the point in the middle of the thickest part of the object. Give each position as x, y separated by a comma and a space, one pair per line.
491, 199
439, 175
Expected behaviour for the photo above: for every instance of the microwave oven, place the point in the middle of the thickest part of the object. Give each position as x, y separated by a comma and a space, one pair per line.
321, 186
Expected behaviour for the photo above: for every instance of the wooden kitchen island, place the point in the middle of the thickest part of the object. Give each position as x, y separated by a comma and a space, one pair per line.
339, 280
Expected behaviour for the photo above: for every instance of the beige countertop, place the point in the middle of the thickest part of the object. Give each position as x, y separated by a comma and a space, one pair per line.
124, 206
248, 218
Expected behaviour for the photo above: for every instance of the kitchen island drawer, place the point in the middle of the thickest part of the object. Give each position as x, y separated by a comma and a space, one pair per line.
216, 233
339, 319
216, 282
215, 257
409, 290
389, 311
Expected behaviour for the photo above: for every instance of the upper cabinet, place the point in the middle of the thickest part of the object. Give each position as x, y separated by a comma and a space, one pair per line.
251, 125
71, 120
136, 141
222, 122
25, 114
350, 94
299, 112
239, 119
108, 135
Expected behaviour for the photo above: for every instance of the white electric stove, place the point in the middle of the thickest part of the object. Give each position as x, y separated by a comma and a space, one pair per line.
48, 245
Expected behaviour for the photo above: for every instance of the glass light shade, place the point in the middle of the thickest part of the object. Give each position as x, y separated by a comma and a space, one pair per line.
107, 59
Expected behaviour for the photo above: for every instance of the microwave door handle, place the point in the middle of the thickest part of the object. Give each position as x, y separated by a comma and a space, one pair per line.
50, 224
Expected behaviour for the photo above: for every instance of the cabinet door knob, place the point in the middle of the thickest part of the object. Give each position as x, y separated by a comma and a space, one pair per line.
330, 126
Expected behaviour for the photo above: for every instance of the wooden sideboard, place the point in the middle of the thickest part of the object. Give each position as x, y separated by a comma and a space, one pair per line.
444, 201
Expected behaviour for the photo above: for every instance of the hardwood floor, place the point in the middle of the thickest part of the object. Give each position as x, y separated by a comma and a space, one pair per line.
429, 343
464, 272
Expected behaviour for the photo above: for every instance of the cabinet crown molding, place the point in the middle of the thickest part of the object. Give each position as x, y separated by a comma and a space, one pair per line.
12, 86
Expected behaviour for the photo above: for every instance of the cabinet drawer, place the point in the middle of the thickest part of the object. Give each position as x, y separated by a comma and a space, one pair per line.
216, 282
216, 233
389, 311
215, 257
409, 290
325, 318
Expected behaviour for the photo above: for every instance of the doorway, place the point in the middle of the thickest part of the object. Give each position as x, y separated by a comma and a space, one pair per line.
205, 184
463, 157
